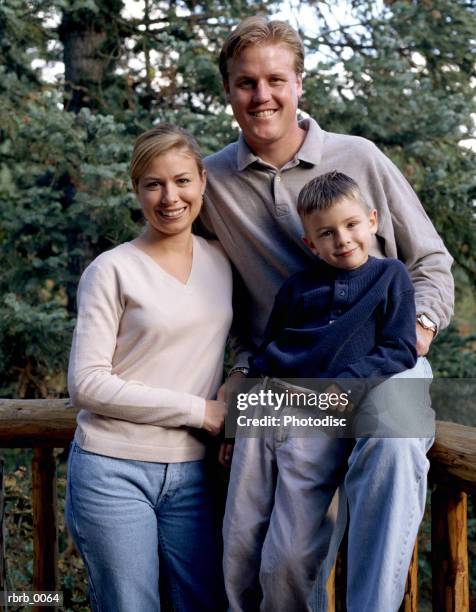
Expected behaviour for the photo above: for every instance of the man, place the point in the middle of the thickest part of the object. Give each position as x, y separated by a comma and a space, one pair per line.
250, 206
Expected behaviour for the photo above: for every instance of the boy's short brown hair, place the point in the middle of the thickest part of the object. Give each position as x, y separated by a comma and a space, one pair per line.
327, 190
259, 31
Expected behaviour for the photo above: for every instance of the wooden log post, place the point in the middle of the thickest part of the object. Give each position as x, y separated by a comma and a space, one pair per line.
341, 576
410, 599
449, 550
331, 590
337, 582
45, 528
3, 567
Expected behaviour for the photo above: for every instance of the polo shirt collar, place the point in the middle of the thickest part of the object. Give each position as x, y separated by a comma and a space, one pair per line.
245, 156
310, 151
311, 148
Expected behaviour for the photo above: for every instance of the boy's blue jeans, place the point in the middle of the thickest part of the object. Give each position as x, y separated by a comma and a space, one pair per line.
133, 519
280, 539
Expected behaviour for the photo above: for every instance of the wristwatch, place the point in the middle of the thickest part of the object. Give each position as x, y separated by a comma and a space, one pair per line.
426, 322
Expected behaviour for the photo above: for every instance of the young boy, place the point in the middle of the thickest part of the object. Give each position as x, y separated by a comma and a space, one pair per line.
351, 316
353, 313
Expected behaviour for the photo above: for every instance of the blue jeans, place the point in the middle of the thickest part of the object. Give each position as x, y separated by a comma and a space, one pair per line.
279, 535
383, 499
130, 518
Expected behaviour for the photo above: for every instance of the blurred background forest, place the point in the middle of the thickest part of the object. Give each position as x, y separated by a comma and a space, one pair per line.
80, 79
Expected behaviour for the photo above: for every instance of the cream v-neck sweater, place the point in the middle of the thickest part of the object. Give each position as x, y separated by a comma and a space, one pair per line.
147, 350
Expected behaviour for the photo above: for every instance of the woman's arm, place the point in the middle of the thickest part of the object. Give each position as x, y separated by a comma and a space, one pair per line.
91, 383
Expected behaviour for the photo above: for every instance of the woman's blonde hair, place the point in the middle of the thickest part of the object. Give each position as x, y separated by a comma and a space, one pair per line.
161, 139
255, 31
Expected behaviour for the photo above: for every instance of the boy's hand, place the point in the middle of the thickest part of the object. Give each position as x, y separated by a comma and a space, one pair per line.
215, 412
222, 390
226, 453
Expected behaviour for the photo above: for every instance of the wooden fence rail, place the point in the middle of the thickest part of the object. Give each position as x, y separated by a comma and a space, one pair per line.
47, 424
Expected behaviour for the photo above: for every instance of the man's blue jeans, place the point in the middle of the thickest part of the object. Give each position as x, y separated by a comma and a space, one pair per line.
130, 519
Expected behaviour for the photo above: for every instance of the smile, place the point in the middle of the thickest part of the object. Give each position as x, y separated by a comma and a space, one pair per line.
171, 214
346, 253
264, 114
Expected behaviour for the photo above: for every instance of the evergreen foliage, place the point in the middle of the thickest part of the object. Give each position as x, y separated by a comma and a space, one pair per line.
406, 84
401, 75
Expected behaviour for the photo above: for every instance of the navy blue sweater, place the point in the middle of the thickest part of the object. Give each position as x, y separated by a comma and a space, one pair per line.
332, 323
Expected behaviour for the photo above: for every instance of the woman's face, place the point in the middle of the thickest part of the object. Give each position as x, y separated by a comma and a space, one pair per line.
170, 192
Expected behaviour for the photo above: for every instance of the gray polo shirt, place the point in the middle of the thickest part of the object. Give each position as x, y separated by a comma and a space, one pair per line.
251, 207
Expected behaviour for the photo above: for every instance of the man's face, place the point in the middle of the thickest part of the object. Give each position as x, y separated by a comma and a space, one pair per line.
342, 234
264, 90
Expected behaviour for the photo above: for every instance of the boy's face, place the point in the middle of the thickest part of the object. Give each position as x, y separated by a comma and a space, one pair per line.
264, 90
342, 234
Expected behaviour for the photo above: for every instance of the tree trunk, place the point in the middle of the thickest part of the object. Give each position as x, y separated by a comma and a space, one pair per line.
84, 68
89, 49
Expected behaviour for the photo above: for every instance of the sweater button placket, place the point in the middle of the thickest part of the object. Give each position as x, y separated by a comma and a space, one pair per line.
340, 297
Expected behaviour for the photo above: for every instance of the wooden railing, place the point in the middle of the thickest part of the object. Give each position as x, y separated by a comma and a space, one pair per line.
452, 477
47, 424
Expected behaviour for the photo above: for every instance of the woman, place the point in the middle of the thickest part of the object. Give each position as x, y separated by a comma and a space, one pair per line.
153, 317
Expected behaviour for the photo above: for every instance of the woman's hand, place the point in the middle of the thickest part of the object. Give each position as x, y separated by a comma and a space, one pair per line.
215, 412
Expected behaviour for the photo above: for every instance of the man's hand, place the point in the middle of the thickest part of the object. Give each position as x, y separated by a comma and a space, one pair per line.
215, 412
225, 453
424, 337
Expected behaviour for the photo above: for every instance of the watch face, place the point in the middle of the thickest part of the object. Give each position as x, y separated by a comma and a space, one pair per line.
426, 322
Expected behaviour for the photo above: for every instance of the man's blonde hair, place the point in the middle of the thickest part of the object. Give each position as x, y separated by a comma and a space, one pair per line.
161, 139
256, 31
